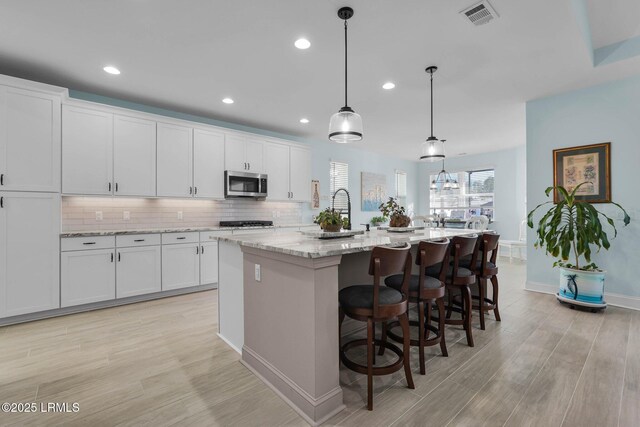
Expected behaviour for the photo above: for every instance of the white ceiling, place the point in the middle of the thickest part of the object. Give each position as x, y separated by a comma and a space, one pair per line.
188, 55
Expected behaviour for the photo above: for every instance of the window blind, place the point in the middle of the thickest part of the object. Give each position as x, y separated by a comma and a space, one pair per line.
339, 178
401, 187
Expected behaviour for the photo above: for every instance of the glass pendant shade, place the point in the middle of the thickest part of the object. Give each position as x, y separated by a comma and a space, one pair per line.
345, 126
432, 150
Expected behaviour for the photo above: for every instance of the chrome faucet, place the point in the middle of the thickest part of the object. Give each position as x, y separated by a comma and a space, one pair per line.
333, 201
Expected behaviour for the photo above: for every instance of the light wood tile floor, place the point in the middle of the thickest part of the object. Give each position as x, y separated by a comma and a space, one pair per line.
160, 363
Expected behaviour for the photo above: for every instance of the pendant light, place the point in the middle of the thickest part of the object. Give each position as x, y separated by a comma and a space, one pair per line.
346, 125
432, 149
443, 180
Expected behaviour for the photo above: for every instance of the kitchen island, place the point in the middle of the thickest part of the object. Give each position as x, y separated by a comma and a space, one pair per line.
278, 305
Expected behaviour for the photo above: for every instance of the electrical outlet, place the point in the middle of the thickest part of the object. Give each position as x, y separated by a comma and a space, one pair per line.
258, 272
277, 214
274, 213
99, 216
180, 217
126, 215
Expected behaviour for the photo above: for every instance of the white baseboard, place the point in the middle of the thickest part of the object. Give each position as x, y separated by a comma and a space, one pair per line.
229, 343
617, 300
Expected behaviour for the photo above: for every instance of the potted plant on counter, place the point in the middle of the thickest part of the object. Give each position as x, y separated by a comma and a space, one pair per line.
396, 213
331, 220
569, 229
377, 221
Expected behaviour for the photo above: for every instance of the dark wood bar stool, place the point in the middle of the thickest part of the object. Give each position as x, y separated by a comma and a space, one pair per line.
425, 291
459, 279
485, 270
375, 303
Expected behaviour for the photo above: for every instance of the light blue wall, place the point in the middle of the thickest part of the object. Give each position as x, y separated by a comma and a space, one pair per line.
360, 160
609, 112
356, 155
509, 190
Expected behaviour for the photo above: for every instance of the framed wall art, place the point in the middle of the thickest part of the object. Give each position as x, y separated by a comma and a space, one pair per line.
587, 163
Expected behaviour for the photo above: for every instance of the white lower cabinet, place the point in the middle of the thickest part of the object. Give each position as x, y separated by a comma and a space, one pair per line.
208, 263
87, 276
138, 271
29, 252
180, 265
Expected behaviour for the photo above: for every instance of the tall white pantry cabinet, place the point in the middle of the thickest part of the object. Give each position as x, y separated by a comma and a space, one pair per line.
29, 196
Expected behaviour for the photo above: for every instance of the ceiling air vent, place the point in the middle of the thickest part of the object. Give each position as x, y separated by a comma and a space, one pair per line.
480, 13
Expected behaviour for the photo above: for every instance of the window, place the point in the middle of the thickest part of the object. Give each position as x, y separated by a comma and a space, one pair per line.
475, 196
339, 178
401, 188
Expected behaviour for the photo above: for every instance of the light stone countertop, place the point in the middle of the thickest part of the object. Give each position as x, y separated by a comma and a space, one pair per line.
297, 244
173, 230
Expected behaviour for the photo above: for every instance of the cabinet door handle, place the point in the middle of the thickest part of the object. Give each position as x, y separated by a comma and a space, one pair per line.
249, 166
201, 249
190, 190
180, 238
89, 243
292, 194
109, 186
111, 256
139, 240
1, 202
118, 256
2, 179
197, 250
195, 190
116, 187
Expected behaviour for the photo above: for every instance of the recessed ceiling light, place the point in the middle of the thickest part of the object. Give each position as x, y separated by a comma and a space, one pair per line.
111, 70
388, 85
304, 120
302, 44
228, 101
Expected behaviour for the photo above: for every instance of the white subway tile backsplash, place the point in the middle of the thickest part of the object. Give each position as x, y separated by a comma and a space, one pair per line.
79, 213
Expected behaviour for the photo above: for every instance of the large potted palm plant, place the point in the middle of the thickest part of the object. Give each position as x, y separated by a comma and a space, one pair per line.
569, 231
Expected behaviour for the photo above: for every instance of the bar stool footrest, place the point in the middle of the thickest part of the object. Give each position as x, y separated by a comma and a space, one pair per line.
415, 343
377, 370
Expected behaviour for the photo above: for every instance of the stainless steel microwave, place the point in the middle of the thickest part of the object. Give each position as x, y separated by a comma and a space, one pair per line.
245, 184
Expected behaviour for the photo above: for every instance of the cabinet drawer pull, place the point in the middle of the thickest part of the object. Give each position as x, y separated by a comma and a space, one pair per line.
180, 238
139, 240
89, 243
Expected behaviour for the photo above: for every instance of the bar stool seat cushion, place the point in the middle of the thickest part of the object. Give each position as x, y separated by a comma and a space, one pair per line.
434, 271
395, 282
361, 296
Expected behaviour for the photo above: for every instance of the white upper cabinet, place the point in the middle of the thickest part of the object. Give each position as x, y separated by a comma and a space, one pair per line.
175, 160
276, 161
289, 171
29, 252
29, 140
87, 151
134, 154
208, 164
243, 154
254, 155
300, 174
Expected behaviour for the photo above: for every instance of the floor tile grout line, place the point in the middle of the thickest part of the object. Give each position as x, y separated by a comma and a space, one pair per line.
624, 371
582, 371
538, 373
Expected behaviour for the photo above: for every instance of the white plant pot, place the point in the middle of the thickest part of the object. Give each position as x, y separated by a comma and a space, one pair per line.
584, 288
